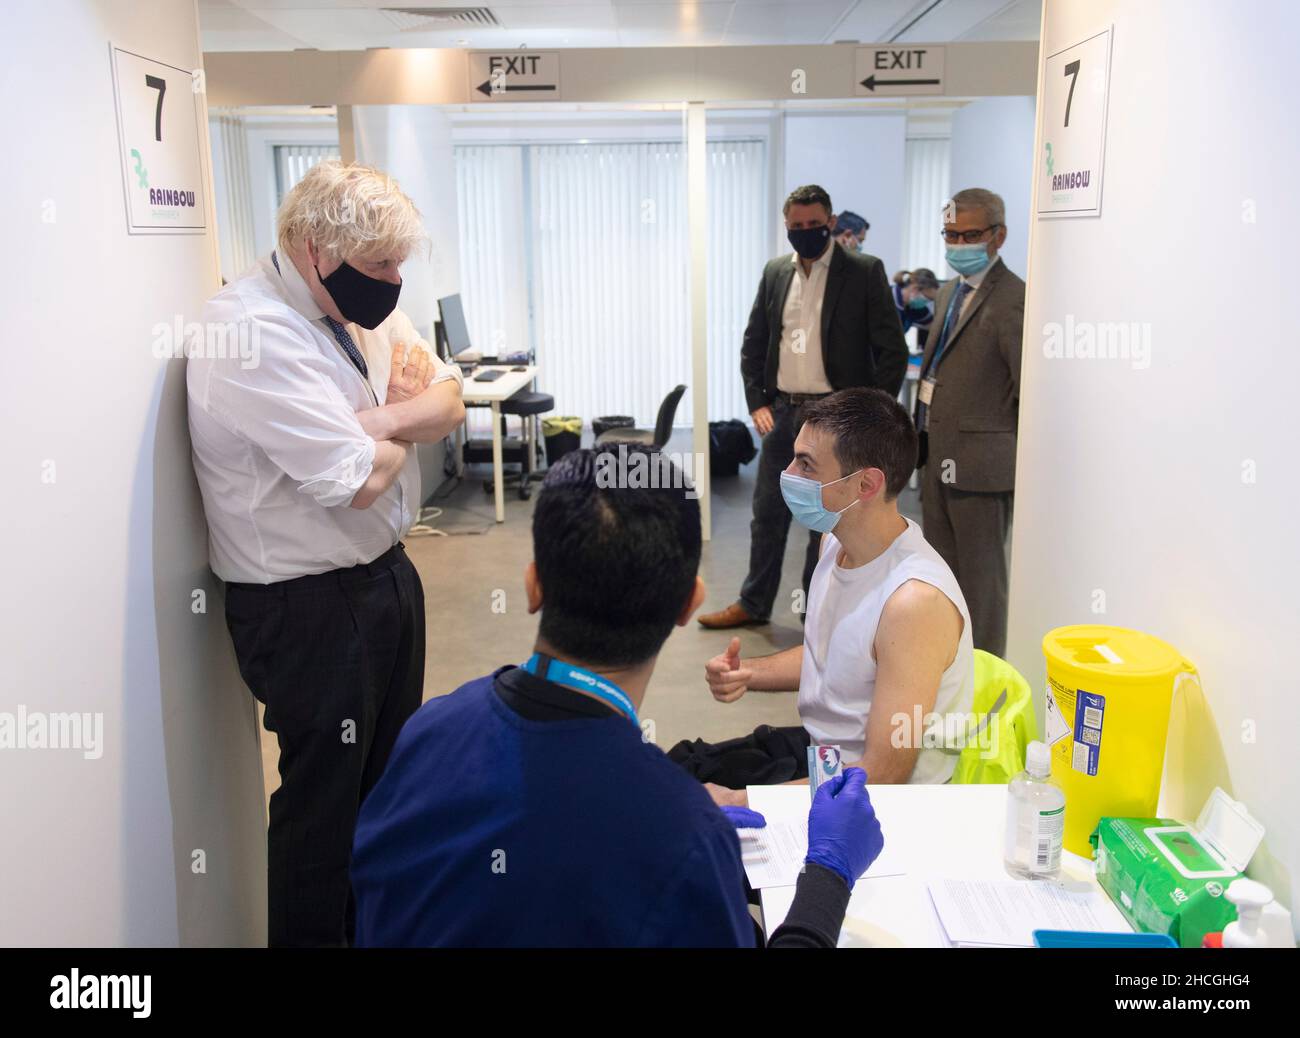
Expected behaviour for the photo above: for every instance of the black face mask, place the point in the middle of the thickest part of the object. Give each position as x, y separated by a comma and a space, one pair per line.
362, 300
809, 242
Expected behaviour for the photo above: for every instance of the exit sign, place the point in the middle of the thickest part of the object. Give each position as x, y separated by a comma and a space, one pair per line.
894, 71
514, 75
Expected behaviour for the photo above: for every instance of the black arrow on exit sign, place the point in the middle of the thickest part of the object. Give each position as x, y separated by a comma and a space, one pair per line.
485, 88
871, 82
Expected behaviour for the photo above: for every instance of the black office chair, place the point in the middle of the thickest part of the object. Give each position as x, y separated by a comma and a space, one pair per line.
658, 436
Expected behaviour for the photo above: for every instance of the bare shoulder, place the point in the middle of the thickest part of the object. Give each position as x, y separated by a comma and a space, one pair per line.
921, 608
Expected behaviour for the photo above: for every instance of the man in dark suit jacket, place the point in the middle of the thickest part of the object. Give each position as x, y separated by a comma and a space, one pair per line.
968, 405
823, 320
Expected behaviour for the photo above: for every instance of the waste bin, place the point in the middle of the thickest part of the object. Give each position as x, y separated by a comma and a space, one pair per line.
1109, 693
562, 433
612, 421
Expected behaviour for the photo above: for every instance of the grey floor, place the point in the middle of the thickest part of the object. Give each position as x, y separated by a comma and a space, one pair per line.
478, 619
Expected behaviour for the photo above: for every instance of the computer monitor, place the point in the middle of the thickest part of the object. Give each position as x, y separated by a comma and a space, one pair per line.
453, 329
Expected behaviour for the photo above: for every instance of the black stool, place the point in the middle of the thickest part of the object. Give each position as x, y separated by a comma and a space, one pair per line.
527, 404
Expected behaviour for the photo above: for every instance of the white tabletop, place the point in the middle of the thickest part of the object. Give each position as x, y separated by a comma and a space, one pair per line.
506, 386
952, 831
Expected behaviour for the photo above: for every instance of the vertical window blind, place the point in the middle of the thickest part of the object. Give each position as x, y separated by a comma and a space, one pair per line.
293, 160
926, 174
580, 252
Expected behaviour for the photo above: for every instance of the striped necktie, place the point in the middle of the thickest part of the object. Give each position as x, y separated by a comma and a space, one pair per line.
349, 346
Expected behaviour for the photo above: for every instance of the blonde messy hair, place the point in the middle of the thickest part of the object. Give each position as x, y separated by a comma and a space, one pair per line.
349, 211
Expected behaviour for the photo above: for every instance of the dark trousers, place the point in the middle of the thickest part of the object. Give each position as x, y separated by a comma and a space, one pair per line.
969, 529
765, 757
771, 522
338, 661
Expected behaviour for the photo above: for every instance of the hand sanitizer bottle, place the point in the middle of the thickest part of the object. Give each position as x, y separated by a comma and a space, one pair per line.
1035, 819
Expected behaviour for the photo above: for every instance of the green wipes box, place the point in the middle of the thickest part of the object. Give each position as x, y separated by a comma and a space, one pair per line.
1167, 877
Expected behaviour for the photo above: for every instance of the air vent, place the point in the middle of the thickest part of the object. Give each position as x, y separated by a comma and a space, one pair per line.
416, 19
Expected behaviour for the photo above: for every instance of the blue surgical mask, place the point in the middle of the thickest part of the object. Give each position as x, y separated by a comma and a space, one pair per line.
968, 259
919, 303
803, 497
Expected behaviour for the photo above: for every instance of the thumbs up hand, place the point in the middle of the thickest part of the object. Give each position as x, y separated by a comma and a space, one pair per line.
727, 679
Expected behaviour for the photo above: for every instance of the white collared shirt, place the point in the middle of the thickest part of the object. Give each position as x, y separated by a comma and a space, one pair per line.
800, 367
278, 450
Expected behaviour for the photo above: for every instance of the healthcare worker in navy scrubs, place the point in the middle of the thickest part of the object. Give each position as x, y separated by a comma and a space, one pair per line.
526, 808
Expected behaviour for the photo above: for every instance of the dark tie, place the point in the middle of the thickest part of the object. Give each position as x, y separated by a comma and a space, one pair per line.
949, 322
349, 347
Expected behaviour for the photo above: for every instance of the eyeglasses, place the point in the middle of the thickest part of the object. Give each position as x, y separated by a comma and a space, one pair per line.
969, 237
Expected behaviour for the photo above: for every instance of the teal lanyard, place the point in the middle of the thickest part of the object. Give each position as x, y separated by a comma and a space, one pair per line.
954, 305
580, 678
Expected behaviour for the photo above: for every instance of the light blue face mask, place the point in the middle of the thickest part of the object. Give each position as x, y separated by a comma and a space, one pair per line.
803, 497
968, 259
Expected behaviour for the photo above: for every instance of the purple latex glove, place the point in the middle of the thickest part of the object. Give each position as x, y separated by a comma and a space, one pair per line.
744, 818
843, 833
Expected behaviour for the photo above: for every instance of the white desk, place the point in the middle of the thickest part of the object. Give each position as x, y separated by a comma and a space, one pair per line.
941, 831
493, 393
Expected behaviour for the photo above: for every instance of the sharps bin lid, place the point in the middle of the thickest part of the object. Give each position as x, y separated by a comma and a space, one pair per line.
1115, 654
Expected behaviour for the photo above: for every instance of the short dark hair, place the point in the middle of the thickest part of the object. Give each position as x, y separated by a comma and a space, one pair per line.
871, 430
616, 541
923, 277
809, 194
852, 222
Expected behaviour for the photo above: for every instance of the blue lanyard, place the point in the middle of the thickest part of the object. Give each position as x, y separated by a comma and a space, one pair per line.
578, 677
958, 294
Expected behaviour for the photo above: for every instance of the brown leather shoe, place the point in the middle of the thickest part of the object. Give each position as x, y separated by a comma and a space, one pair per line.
735, 615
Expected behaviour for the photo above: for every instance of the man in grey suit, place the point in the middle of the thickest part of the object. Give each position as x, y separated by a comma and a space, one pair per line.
823, 319
967, 409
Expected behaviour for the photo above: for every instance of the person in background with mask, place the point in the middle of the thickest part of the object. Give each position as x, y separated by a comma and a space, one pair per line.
888, 637
822, 320
309, 480
914, 296
967, 410
851, 230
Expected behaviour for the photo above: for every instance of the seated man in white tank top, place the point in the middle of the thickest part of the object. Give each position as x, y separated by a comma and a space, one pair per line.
887, 638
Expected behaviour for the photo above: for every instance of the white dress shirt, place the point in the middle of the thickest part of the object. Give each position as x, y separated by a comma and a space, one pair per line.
278, 450
800, 367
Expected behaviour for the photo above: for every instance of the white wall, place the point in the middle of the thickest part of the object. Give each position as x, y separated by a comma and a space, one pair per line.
102, 561
993, 147
858, 158
1171, 488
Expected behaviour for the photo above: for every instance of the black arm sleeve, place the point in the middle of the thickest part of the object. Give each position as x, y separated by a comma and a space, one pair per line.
753, 351
817, 913
885, 333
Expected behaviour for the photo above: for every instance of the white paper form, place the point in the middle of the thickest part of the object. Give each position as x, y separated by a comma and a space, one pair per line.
1006, 912
773, 856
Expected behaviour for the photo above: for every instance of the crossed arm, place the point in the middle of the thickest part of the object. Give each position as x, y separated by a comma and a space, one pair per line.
417, 410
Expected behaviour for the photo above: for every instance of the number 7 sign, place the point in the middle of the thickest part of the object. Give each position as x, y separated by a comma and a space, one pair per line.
1072, 128
159, 122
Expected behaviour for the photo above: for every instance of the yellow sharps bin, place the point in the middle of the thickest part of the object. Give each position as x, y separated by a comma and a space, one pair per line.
1109, 692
